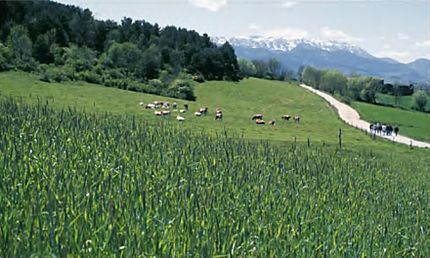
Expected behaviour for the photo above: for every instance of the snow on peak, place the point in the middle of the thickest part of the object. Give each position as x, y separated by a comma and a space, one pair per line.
287, 45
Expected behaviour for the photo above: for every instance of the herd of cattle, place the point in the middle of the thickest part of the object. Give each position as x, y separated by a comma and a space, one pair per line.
166, 106
378, 128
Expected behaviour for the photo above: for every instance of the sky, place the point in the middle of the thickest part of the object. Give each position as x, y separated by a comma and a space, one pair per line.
398, 29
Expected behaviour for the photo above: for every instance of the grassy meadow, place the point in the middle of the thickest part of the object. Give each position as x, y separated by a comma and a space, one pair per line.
79, 184
412, 123
404, 102
239, 101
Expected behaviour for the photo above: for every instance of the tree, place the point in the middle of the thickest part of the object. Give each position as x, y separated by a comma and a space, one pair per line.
354, 87
20, 43
247, 68
79, 59
274, 69
5, 58
42, 47
368, 94
261, 68
333, 81
231, 67
125, 55
312, 76
420, 99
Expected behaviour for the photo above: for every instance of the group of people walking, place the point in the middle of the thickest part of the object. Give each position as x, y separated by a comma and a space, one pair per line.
384, 129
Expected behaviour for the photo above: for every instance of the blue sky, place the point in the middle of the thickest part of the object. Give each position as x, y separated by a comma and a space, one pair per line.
398, 29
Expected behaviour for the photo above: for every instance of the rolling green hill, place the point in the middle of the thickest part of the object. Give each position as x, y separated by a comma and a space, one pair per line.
239, 101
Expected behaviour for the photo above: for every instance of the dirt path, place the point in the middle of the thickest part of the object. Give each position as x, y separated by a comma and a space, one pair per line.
351, 117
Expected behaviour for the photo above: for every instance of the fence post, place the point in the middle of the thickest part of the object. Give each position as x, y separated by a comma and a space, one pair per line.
340, 138
309, 143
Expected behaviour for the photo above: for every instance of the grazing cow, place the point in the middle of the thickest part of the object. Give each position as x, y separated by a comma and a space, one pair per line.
197, 113
158, 113
272, 122
257, 116
286, 117
186, 106
166, 105
182, 111
165, 113
180, 118
259, 122
150, 106
174, 105
204, 110
218, 114
297, 119
141, 103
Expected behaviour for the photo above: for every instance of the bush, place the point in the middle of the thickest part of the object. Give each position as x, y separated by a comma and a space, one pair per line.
52, 73
198, 78
89, 76
181, 89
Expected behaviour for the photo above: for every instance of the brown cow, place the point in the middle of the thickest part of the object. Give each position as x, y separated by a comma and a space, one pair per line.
272, 122
260, 122
297, 119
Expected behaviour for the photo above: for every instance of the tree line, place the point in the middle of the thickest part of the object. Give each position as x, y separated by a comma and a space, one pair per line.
358, 88
270, 69
63, 42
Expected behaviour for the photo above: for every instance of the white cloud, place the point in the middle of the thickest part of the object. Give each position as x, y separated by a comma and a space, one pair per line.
398, 55
254, 27
211, 5
403, 36
386, 46
289, 4
286, 33
425, 43
338, 35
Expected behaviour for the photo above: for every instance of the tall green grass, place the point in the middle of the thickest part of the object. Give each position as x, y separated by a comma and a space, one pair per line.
76, 184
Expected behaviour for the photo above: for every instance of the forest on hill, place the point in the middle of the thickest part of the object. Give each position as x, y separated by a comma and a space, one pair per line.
62, 42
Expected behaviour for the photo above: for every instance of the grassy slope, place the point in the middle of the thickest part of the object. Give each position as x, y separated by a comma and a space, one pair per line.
405, 102
412, 123
238, 101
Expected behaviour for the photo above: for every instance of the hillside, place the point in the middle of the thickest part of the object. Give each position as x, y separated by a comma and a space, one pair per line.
66, 43
239, 101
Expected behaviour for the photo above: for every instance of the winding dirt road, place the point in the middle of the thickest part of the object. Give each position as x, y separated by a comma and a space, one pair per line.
351, 117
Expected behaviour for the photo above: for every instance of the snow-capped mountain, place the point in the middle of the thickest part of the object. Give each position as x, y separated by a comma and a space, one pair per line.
287, 45
344, 57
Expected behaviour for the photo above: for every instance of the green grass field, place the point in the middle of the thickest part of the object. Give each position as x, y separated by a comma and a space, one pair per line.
405, 102
239, 101
412, 123
75, 184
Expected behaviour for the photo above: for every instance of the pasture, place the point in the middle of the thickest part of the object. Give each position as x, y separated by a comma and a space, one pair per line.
412, 123
79, 184
238, 101
404, 102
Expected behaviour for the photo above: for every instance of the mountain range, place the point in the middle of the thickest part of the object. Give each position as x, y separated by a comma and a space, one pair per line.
347, 58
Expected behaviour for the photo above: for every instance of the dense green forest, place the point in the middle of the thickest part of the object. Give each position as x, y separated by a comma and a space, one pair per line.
62, 42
